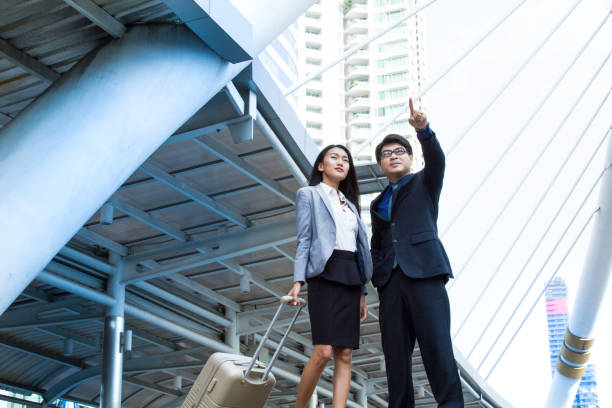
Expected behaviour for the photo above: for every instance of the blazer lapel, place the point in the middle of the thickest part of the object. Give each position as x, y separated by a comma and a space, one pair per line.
395, 193
325, 199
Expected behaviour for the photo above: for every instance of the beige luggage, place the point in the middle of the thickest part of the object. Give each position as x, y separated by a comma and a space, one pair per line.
236, 381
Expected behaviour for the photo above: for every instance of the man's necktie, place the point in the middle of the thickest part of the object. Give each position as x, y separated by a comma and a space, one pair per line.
393, 188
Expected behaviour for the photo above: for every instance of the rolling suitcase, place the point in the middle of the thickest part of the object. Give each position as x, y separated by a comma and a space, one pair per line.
236, 381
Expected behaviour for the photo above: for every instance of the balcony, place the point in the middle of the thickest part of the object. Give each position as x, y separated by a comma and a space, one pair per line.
314, 45
358, 88
315, 8
357, 11
359, 104
358, 25
358, 72
361, 57
313, 13
316, 135
311, 116
359, 119
354, 39
313, 57
312, 21
359, 134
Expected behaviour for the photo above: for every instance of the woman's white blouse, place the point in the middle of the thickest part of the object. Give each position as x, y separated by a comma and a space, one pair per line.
345, 220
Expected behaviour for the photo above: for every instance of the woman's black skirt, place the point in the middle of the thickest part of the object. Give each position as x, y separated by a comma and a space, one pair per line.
334, 306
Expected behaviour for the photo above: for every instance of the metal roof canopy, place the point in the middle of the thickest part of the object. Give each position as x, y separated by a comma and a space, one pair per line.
201, 212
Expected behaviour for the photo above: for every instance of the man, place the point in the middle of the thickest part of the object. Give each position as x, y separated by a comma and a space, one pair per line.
411, 269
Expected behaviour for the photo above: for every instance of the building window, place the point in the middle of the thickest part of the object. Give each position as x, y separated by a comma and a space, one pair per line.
313, 30
393, 93
393, 62
389, 110
314, 109
392, 78
316, 16
391, 15
314, 125
399, 126
399, 45
383, 3
314, 93
313, 61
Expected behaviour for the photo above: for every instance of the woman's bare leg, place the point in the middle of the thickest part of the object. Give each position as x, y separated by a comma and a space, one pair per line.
312, 372
342, 375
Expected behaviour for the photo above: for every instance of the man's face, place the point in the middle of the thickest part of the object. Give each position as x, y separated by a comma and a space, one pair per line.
395, 166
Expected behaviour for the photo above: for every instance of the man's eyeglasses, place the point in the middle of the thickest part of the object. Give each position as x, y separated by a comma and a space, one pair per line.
398, 152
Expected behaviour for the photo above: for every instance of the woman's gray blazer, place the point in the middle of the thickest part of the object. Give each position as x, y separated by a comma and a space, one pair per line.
316, 235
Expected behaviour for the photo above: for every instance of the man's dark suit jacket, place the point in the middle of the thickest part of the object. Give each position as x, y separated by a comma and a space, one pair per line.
412, 233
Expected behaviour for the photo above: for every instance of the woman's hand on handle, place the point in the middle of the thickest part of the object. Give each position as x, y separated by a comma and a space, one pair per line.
295, 292
363, 309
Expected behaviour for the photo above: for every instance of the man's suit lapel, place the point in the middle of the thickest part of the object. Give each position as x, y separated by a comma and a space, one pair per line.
325, 199
375, 203
395, 194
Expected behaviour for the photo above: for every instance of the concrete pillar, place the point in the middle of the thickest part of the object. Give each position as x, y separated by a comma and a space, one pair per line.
231, 332
578, 340
64, 155
112, 363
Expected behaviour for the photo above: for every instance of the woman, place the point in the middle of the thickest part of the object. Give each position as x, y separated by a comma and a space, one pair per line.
333, 257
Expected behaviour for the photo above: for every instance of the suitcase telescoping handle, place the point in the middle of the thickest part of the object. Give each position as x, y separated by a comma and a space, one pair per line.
284, 300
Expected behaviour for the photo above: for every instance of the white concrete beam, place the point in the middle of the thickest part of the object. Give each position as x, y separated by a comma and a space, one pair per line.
98, 16
190, 190
103, 241
222, 247
219, 150
27, 63
151, 221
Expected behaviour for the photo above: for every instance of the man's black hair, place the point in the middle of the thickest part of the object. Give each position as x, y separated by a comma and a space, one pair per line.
390, 139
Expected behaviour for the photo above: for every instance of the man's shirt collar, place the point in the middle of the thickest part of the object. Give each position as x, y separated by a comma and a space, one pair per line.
401, 181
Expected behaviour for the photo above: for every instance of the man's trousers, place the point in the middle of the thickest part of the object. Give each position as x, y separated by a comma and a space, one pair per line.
418, 309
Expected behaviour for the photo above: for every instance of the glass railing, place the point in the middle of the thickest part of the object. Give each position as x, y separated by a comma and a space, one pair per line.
355, 83
362, 100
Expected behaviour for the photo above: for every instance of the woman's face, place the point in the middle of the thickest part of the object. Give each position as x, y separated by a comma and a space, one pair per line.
335, 165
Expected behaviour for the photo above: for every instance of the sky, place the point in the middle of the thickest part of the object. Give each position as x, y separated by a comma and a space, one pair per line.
522, 376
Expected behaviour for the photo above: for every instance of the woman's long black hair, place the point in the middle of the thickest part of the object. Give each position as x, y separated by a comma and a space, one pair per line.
348, 186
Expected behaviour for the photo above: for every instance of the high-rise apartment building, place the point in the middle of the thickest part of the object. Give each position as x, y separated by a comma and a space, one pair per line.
355, 97
556, 311
381, 77
321, 101
281, 59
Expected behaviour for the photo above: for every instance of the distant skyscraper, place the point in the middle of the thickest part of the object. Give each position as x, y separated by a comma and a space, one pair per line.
556, 310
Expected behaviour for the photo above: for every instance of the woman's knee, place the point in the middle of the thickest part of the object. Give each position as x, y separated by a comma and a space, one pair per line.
321, 355
343, 354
